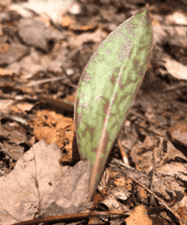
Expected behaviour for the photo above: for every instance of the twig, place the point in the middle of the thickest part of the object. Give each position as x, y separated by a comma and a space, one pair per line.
34, 83
65, 73
69, 217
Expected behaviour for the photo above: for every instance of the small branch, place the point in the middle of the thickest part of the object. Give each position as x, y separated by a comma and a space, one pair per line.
69, 217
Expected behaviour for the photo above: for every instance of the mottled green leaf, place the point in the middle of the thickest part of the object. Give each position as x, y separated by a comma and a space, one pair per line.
107, 88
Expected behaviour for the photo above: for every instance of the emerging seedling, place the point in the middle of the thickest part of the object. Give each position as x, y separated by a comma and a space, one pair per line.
107, 88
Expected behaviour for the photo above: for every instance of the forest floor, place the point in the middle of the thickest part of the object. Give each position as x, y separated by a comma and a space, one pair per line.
41, 62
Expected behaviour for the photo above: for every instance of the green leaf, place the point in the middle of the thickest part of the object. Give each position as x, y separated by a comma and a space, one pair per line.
107, 88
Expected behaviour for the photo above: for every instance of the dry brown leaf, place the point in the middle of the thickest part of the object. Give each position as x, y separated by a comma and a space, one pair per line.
139, 217
77, 41
176, 69
53, 127
162, 158
38, 185
178, 132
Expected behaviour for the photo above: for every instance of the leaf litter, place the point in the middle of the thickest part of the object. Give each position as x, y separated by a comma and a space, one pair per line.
157, 113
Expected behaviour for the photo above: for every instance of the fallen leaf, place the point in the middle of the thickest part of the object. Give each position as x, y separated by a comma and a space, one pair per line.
175, 68
38, 185
53, 8
139, 217
178, 132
